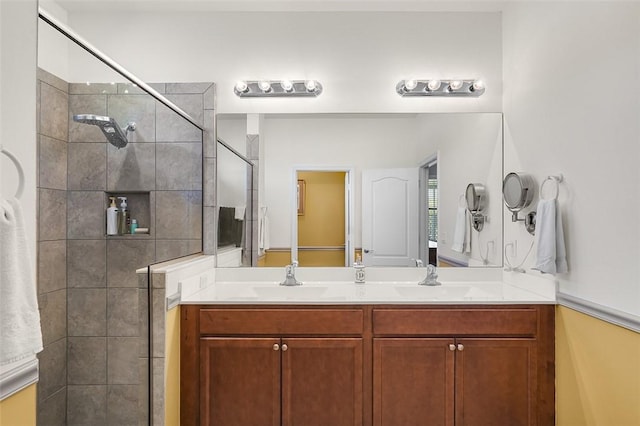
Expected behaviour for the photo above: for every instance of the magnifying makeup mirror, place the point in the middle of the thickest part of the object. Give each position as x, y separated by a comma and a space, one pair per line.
476, 197
518, 191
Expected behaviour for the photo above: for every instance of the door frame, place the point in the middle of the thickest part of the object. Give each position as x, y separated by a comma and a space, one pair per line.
423, 214
348, 208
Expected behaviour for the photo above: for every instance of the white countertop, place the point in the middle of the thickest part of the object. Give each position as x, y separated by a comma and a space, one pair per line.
330, 293
196, 281
328, 286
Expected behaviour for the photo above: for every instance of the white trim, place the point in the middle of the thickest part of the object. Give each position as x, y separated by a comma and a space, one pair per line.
17, 376
610, 315
294, 206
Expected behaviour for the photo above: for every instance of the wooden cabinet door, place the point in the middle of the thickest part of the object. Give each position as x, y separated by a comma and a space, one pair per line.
240, 381
413, 382
496, 382
322, 381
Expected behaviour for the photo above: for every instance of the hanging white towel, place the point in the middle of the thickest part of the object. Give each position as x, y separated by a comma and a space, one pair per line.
460, 231
551, 252
467, 232
239, 212
20, 334
263, 230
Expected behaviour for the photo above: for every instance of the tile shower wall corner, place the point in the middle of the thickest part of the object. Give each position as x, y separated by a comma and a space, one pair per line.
95, 363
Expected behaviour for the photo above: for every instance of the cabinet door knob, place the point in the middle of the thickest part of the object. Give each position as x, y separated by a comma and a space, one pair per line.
276, 347
284, 347
452, 347
460, 347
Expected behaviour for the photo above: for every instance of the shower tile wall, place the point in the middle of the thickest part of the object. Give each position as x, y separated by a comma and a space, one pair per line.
52, 102
93, 310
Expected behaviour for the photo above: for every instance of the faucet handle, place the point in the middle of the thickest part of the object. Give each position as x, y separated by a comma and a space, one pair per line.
419, 263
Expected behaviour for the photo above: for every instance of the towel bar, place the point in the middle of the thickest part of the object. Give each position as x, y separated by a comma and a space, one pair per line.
20, 171
552, 178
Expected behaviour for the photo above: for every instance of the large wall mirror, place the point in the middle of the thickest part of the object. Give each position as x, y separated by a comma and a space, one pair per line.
386, 188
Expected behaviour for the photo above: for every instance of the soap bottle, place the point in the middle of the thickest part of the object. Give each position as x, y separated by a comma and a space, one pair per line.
359, 268
112, 217
123, 216
134, 226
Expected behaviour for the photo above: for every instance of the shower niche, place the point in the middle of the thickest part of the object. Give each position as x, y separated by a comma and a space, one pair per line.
139, 206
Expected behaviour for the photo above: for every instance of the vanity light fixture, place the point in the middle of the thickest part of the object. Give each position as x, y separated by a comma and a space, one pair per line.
435, 87
265, 86
277, 88
241, 87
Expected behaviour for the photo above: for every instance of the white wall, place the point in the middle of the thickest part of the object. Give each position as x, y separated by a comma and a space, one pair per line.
53, 47
329, 140
18, 105
371, 141
469, 150
571, 90
358, 57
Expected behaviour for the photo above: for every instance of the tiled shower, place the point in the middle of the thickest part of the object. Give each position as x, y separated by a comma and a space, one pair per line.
94, 368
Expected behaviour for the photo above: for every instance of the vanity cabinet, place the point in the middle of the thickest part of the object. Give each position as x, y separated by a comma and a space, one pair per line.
279, 367
463, 367
382, 365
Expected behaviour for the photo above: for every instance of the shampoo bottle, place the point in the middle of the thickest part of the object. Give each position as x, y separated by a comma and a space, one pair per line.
123, 216
112, 218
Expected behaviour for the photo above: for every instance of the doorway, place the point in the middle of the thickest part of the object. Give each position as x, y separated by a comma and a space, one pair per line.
321, 218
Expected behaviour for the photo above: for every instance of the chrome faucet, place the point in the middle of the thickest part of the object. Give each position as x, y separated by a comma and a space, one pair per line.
419, 263
432, 278
290, 278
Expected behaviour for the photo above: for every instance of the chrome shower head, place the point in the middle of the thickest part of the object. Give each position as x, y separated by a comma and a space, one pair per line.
109, 127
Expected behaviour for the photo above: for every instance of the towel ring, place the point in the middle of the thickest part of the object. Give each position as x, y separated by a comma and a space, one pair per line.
20, 171
557, 179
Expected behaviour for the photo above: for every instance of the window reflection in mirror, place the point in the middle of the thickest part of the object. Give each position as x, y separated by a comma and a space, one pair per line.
453, 149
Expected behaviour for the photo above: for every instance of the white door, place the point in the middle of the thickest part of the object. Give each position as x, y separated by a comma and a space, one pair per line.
390, 217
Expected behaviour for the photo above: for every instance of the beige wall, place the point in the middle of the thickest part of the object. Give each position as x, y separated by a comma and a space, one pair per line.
172, 365
19, 409
597, 372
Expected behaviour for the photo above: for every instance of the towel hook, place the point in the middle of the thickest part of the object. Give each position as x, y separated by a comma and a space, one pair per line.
20, 171
552, 178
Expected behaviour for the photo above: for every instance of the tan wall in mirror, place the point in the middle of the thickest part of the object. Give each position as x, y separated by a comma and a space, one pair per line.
322, 223
282, 258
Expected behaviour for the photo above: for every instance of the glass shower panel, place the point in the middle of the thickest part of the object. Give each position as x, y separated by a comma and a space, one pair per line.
236, 208
101, 137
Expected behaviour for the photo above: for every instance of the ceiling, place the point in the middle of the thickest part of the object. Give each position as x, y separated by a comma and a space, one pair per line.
281, 5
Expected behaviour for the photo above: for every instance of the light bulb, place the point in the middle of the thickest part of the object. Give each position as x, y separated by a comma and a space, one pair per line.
455, 84
242, 87
287, 85
477, 85
433, 85
410, 84
310, 85
265, 86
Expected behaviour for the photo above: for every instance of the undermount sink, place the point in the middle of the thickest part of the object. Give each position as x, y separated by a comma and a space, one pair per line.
423, 292
290, 292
